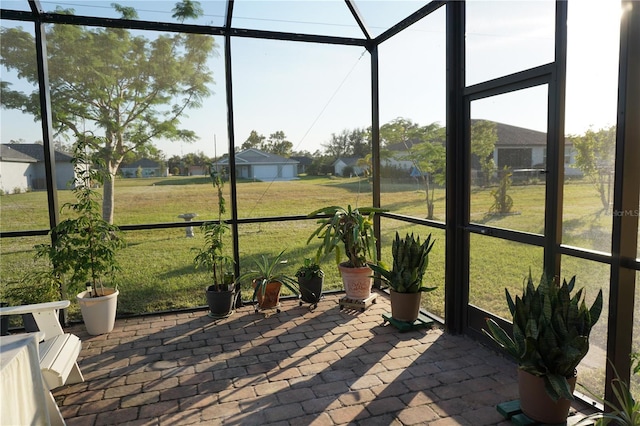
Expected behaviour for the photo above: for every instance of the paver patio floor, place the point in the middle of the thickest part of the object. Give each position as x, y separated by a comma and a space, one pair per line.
297, 367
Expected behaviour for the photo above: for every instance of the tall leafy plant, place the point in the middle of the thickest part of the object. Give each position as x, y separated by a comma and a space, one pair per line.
84, 246
346, 228
212, 255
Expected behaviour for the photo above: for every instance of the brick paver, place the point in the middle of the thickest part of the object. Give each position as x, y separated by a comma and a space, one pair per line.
297, 367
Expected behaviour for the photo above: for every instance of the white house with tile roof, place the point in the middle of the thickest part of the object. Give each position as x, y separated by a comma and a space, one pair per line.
259, 165
22, 168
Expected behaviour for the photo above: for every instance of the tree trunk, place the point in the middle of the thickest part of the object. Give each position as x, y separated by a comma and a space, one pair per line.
603, 196
108, 200
427, 187
430, 208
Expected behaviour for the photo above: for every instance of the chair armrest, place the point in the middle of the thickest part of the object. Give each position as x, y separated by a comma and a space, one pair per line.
45, 314
37, 307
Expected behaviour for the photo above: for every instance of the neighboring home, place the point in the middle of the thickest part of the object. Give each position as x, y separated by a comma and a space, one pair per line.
519, 148
399, 157
351, 162
258, 165
303, 163
22, 168
148, 168
524, 149
198, 170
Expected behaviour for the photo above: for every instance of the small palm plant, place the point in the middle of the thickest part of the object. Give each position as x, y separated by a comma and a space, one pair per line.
268, 271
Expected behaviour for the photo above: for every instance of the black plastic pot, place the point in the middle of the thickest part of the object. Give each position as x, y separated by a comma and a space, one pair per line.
221, 303
311, 289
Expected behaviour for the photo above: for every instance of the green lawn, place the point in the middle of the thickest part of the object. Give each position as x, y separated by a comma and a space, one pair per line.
158, 273
157, 265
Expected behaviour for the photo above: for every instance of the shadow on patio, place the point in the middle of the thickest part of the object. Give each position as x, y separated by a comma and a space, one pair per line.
326, 367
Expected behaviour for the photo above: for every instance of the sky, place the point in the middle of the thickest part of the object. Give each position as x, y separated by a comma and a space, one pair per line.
311, 91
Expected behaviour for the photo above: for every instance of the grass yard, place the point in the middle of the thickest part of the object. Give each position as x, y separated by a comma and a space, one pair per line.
158, 272
157, 265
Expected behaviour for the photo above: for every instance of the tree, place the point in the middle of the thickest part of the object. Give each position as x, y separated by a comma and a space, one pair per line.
254, 140
278, 144
399, 130
349, 143
360, 142
426, 151
175, 165
338, 145
129, 90
595, 156
429, 158
484, 136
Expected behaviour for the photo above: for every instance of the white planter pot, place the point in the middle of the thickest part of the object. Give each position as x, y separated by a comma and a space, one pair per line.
99, 313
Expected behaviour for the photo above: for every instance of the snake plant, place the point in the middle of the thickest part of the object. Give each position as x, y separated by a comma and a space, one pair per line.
550, 331
410, 261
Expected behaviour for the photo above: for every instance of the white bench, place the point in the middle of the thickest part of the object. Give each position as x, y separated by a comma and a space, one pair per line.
58, 350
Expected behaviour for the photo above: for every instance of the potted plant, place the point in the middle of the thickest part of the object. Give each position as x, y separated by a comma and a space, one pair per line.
310, 281
410, 261
352, 230
625, 410
551, 327
267, 280
84, 246
221, 292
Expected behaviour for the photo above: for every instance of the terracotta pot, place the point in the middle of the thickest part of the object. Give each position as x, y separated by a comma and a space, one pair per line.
271, 296
405, 306
99, 313
357, 281
221, 303
535, 402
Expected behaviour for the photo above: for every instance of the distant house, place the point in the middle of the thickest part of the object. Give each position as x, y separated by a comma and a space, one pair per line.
147, 167
349, 163
400, 156
255, 164
198, 170
303, 163
523, 150
22, 168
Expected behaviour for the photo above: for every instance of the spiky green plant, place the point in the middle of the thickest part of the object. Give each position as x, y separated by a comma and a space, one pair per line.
268, 270
550, 331
410, 261
625, 410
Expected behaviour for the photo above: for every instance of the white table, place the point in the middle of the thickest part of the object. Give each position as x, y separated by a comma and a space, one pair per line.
24, 399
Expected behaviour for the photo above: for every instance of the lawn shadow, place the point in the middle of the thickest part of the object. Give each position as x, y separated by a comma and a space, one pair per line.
183, 181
